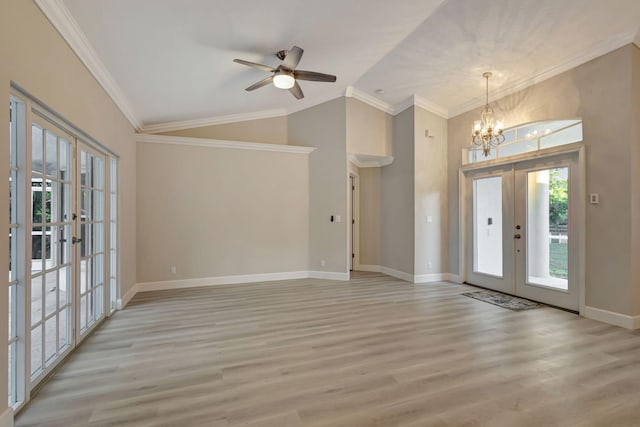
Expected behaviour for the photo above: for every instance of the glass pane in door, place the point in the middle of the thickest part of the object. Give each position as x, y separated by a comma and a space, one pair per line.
487, 226
50, 247
92, 248
548, 227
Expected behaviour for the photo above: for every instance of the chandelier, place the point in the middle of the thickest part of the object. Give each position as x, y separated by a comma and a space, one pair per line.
487, 132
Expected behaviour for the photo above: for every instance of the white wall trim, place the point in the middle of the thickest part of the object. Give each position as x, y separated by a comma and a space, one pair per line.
215, 143
368, 267
63, 21
612, 318
239, 279
425, 104
369, 161
6, 419
428, 278
328, 275
599, 49
455, 278
220, 280
636, 39
352, 92
124, 300
212, 121
397, 274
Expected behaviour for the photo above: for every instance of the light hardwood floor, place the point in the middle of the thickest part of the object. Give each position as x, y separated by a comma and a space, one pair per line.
374, 351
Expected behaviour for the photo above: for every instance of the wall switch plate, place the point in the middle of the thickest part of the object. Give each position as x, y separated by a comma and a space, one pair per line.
173, 269
594, 198
429, 219
337, 218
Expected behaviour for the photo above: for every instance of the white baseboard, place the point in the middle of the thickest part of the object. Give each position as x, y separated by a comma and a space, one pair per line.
6, 419
612, 318
367, 267
220, 280
397, 274
328, 275
427, 278
122, 302
455, 278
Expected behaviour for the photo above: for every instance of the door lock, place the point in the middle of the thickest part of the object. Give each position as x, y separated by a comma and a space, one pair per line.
517, 236
75, 240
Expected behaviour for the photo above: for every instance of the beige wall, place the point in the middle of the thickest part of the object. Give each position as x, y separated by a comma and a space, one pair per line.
35, 57
635, 180
324, 127
397, 198
218, 212
270, 131
430, 193
370, 216
599, 92
369, 130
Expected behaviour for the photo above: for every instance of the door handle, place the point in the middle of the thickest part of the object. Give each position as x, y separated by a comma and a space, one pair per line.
517, 236
75, 240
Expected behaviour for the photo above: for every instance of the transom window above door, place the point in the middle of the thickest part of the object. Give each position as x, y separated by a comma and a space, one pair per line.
528, 138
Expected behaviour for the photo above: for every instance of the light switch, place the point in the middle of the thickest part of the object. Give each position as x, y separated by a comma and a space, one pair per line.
337, 218
429, 219
594, 198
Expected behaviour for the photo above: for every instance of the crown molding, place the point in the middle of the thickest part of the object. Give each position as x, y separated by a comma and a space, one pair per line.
369, 161
352, 92
418, 101
60, 17
597, 50
212, 121
425, 104
216, 143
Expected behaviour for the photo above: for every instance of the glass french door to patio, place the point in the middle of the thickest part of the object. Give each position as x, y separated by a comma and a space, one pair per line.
67, 244
521, 229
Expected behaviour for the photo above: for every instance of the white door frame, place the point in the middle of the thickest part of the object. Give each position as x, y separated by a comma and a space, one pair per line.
354, 220
578, 218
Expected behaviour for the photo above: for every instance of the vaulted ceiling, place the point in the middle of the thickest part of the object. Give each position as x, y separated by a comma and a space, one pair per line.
171, 60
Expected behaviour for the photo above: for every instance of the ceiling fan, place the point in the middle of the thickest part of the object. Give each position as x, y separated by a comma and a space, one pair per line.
285, 75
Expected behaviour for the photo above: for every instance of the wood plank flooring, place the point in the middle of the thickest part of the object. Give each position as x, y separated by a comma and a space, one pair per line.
374, 351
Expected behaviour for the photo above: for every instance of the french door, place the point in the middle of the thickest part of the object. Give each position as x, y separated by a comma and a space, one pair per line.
68, 255
521, 223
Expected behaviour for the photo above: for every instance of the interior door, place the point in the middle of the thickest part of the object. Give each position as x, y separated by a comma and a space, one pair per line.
90, 238
546, 251
489, 219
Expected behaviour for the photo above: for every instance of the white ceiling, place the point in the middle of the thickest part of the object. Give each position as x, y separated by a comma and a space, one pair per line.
171, 60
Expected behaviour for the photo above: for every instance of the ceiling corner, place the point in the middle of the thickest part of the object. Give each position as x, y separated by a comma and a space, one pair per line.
636, 39
212, 121
60, 17
352, 92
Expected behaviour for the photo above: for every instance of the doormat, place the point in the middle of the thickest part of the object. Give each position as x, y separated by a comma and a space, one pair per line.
503, 300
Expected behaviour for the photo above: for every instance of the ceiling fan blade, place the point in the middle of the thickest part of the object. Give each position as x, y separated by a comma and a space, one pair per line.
293, 58
313, 76
297, 91
259, 84
254, 65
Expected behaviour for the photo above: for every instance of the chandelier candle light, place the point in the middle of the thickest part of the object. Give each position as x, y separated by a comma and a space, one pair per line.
487, 132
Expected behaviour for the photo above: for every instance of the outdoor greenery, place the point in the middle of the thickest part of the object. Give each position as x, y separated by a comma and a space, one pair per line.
558, 198
558, 260
558, 215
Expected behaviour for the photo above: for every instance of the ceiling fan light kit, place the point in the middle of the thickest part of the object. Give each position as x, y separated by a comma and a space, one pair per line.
283, 80
285, 76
